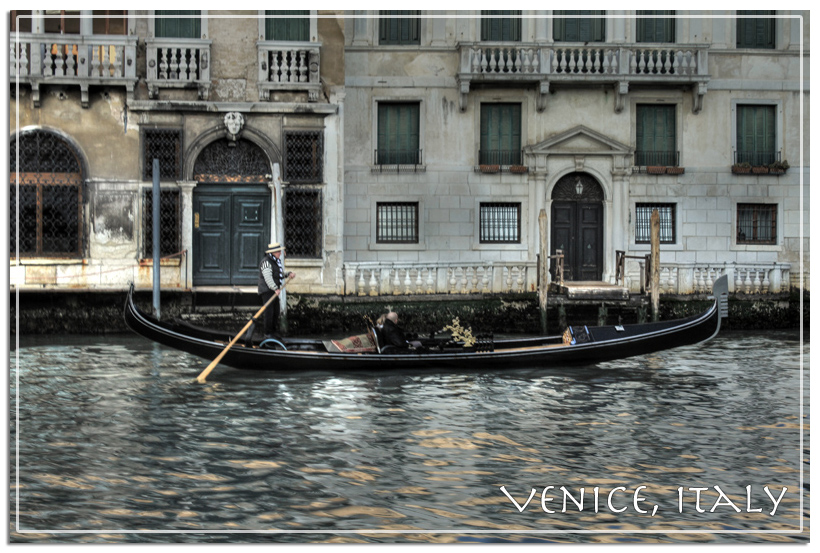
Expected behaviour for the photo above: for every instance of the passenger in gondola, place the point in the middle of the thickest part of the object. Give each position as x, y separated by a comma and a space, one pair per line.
393, 334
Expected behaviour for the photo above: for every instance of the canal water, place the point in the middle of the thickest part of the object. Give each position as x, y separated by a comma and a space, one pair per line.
113, 441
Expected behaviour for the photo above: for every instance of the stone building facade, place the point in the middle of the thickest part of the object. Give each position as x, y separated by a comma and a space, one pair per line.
409, 152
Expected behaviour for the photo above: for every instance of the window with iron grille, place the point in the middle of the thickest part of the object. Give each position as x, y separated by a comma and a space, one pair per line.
166, 146
399, 27
643, 226
304, 155
303, 222
46, 218
169, 222
499, 223
755, 32
397, 222
756, 223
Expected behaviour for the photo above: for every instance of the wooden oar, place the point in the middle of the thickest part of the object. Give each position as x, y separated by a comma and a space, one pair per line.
201, 378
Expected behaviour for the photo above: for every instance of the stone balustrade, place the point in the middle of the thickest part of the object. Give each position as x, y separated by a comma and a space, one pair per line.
81, 60
292, 66
385, 279
694, 278
178, 63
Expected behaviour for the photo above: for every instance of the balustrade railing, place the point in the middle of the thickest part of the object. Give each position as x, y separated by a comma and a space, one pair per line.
292, 66
694, 278
81, 60
384, 279
178, 63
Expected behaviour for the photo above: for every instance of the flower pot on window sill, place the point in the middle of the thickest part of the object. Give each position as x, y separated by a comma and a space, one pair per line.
489, 168
760, 170
741, 168
518, 169
674, 170
656, 169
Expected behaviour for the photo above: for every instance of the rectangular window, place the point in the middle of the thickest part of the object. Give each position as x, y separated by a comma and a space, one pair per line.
399, 27
655, 135
643, 218
110, 22
398, 134
165, 145
500, 134
756, 135
499, 223
303, 222
501, 25
177, 24
304, 157
755, 32
578, 26
169, 222
397, 223
655, 29
756, 223
287, 25
66, 22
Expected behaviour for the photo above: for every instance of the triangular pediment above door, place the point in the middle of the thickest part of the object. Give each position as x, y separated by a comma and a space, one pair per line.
578, 140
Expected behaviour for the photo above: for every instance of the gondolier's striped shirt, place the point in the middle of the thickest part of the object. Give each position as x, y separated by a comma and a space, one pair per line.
267, 282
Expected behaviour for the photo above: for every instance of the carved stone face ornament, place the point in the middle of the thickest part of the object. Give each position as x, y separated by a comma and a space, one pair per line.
233, 125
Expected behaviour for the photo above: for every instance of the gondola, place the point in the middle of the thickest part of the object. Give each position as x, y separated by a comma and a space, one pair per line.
578, 345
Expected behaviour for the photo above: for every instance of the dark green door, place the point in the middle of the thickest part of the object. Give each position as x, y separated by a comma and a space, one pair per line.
231, 230
577, 230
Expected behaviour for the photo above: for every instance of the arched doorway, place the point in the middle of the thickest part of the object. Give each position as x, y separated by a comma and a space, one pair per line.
577, 226
231, 206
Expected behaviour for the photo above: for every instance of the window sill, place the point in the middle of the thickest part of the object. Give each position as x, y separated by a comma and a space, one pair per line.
397, 247
48, 261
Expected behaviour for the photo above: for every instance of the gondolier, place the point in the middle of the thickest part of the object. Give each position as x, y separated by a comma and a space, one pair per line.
271, 279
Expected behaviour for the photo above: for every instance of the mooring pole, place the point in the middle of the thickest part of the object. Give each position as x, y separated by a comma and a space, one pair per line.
543, 270
655, 261
155, 230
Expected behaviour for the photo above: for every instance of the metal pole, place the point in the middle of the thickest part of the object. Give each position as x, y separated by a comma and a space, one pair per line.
655, 253
155, 204
543, 269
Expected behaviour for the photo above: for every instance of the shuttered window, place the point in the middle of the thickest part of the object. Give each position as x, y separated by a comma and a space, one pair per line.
569, 27
755, 32
655, 29
398, 140
295, 27
756, 223
399, 27
655, 135
500, 134
501, 25
756, 134
177, 24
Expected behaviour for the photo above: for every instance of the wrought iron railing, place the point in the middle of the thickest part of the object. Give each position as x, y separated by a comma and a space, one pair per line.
756, 158
500, 157
385, 156
665, 158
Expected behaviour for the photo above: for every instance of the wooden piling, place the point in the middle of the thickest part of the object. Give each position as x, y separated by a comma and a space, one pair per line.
655, 261
543, 270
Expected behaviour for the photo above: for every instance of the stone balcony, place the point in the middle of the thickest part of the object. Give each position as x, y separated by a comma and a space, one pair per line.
178, 63
288, 66
582, 64
73, 60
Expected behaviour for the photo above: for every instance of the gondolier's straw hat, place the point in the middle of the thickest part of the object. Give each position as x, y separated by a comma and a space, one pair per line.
275, 247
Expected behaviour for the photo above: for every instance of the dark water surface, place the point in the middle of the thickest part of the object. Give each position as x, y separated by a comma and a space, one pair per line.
117, 443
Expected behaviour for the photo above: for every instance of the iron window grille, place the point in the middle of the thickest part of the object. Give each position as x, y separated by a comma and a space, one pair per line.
666, 158
304, 155
303, 222
643, 218
397, 223
50, 201
166, 146
399, 27
169, 222
500, 223
757, 224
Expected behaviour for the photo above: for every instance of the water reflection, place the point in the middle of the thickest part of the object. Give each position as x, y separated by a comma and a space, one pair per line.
118, 443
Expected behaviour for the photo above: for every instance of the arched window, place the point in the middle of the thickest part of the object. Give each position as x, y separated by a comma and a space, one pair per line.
46, 196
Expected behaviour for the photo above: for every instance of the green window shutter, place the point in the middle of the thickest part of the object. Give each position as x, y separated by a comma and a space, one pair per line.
177, 24
756, 134
501, 25
755, 32
294, 28
399, 30
578, 29
398, 133
656, 140
500, 140
656, 29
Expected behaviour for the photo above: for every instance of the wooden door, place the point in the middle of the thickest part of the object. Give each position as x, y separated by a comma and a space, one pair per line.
577, 230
